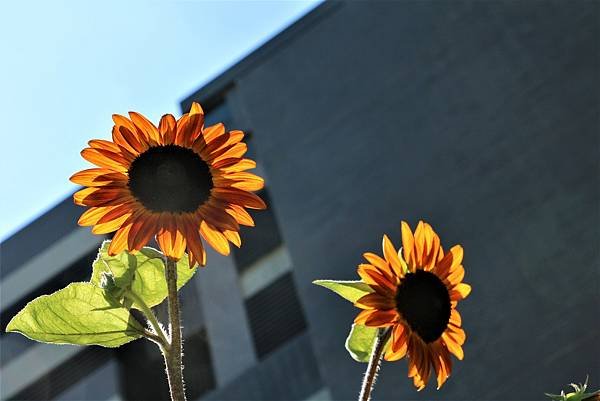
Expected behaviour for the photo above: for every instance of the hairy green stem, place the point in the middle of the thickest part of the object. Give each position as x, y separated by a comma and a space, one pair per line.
159, 333
173, 354
373, 366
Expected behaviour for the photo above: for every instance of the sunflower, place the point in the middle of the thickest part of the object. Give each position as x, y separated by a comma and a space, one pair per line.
178, 182
414, 296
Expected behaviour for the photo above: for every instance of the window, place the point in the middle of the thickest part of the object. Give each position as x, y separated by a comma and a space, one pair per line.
275, 315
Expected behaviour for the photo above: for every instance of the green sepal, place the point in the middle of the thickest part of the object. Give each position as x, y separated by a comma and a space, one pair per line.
80, 314
350, 290
142, 273
360, 342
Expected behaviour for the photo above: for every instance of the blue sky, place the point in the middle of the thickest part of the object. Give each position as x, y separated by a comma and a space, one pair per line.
68, 66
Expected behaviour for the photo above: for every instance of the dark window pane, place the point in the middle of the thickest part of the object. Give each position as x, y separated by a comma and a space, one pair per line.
259, 240
275, 315
65, 375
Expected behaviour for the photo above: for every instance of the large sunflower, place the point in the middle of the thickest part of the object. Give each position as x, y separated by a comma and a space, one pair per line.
179, 182
415, 294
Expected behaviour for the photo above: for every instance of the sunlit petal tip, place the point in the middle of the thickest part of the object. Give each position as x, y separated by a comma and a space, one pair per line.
196, 109
458, 253
391, 255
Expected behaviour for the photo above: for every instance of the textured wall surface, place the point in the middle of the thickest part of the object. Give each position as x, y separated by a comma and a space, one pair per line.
481, 118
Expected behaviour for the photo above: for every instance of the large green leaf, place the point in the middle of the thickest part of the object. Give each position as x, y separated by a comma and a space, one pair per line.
350, 290
143, 272
360, 342
78, 314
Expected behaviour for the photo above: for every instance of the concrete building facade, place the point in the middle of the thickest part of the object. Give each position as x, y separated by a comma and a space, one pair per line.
480, 117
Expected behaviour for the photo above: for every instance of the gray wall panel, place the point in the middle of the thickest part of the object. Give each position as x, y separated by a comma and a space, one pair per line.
289, 373
481, 117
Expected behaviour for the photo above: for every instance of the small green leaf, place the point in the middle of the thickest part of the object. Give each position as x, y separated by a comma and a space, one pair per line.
143, 273
360, 342
78, 314
350, 290
578, 395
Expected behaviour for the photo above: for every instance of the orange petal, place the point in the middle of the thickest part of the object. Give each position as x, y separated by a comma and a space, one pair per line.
239, 197
236, 151
202, 148
97, 177
450, 261
457, 253
167, 128
455, 318
125, 136
106, 145
240, 215
439, 365
377, 261
420, 247
246, 181
391, 255
362, 316
457, 334
117, 211
455, 276
218, 217
92, 215
400, 353
399, 345
81, 195
235, 164
110, 226
189, 127
399, 336
105, 158
433, 247
145, 128
371, 276
101, 196
170, 239
233, 237
382, 318
212, 132
408, 244
375, 301
120, 120
219, 145
421, 367
460, 291
196, 252
196, 108
413, 368
452, 346
444, 357
119, 241
142, 230
214, 238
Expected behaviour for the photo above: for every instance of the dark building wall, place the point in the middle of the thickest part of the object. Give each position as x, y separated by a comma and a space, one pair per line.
480, 117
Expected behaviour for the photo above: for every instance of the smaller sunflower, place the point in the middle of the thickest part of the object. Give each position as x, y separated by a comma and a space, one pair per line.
415, 294
178, 182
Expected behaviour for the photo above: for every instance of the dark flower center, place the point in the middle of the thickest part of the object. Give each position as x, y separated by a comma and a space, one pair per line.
170, 179
423, 300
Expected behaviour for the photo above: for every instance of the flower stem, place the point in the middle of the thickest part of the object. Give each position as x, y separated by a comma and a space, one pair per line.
173, 353
374, 362
159, 333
